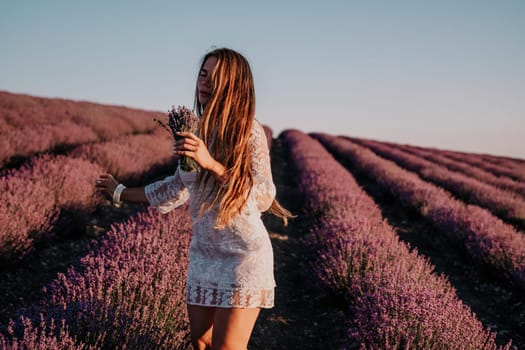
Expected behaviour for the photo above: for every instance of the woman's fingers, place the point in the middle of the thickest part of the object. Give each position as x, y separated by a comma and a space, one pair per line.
187, 141
185, 144
187, 134
106, 182
100, 185
190, 145
105, 178
185, 147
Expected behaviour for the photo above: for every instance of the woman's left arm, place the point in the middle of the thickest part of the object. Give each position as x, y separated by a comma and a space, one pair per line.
263, 187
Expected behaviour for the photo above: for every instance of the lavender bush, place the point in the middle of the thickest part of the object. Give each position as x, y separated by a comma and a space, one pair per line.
395, 300
30, 139
43, 336
129, 292
34, 196
133, 158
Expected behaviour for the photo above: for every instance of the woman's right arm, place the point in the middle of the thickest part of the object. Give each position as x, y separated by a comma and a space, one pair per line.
134, 194
107, 184
165, 194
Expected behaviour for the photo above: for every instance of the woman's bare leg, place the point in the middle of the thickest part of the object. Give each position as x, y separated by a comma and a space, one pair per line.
201, 326
232, 328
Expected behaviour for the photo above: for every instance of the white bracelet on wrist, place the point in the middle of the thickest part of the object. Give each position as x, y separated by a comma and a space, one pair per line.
116, 194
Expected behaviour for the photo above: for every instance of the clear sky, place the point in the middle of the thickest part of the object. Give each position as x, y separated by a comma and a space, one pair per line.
447, 74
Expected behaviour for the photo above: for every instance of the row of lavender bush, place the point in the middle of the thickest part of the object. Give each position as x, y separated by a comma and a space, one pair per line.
30, 125
485, 237
503, 161
515, 164
395, 300
31, 139
133, 158
508, 162
128, 293
504, 204
503, 182
497, 164
35, 195
498, 168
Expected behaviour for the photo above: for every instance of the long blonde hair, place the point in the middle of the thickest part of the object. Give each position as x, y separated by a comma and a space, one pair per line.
225, 127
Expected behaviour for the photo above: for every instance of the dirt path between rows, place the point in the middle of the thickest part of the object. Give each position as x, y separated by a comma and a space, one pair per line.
305, 316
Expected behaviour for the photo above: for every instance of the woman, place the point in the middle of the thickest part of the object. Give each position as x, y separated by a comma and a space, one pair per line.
230, 274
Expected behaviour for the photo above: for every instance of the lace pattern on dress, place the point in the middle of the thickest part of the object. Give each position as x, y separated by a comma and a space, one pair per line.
264, 188
167, 194
242, 298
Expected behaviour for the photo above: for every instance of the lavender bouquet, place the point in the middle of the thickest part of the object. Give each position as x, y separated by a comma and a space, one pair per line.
182, 119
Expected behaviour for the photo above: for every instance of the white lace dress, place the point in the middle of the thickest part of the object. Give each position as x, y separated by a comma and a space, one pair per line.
230, 267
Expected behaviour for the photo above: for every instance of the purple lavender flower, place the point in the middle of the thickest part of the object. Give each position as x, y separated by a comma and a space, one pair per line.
182, 119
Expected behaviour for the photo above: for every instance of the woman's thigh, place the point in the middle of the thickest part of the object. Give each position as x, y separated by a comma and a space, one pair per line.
232, 327
201, 325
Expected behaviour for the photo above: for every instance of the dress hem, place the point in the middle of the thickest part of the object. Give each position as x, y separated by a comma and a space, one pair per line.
230, 298
232, 306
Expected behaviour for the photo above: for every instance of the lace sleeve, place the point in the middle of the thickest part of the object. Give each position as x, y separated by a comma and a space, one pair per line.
263, 189
167, 194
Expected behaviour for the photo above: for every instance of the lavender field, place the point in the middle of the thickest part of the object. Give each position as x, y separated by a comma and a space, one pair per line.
394, 246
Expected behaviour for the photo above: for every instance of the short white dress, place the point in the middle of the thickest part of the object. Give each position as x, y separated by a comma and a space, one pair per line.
230, 267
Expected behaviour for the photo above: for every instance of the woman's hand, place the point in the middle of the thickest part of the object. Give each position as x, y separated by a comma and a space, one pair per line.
190, 145
106, 183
